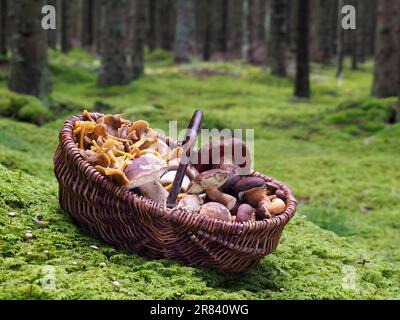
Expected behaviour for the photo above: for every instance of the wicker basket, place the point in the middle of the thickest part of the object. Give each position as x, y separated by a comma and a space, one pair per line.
137, 224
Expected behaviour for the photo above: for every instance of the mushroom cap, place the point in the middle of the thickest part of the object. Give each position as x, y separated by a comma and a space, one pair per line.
248, 183
216, 210
245, 212
145, 169
207, 179
191, 202
169, 178
231, 152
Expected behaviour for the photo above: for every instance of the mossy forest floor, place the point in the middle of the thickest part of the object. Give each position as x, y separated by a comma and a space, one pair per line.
336, 151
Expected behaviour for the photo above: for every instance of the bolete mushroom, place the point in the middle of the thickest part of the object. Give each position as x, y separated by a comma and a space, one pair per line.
245, 212
256, 195
144, 173
192, 202
209, 181
216, 210
229, 154
169, 177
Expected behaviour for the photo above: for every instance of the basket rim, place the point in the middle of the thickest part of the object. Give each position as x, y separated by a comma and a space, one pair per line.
181, 216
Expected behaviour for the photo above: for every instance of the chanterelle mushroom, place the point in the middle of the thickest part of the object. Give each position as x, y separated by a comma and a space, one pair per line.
209, 181
145, 172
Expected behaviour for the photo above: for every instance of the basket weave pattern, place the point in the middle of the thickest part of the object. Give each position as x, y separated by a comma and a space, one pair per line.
137, 224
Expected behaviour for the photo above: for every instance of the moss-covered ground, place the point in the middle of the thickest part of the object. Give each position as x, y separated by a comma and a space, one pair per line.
336, 151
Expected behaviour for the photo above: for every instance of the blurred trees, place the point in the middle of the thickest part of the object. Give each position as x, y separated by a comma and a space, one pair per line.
183, 29
387, 71
114, 68
302, 83
275, 33
3, 27
278, 35
29, 72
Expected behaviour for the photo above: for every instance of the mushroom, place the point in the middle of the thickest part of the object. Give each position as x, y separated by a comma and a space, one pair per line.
229, 154
173, 165
245, 212
280, 194
191, 202
169, 177
277, 206
145, 172
216, 210
256, 196
249, 183
209, 181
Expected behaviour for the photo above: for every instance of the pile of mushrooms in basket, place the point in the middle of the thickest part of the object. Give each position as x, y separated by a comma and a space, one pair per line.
133, 156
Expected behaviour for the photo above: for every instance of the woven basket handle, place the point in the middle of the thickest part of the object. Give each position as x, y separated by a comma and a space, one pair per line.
187, 145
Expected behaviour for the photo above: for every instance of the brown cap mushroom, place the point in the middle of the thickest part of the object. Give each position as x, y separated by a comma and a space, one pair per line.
230, 154
216, 210
247, 184
145, 172
209, 181
277, 206
245, 212
191, 202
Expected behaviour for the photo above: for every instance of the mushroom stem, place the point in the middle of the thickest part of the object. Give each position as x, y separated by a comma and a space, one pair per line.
154, 190
216, 195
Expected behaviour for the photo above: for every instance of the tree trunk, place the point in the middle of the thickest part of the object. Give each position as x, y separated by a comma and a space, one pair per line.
387, 73
52, 34
138, 41
277, 46
66, 25
246, 31
223, 40
207, 31
155, 27
87, 23
184, 9
114, 68
97, 25
302, 85
3, 27
325, 12
29, 72
339, 41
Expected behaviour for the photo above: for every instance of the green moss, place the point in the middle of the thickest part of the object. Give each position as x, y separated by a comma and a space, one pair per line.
335, 151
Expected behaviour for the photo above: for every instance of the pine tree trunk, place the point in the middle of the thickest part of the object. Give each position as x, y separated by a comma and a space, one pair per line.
87, 23
114, 69
278, 36
302, 84
387, 73
52, 34
97, 25
29, 72
325, 12
246, 30
138, 41
223, 40
207, 31
66, 25
183, 28
3, 26
339, 41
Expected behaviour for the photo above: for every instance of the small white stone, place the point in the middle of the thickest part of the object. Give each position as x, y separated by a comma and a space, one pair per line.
11, 214
94, 247
116, 283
